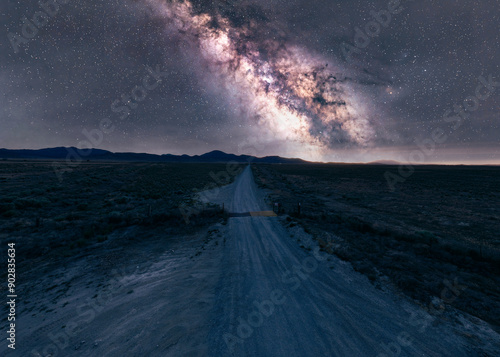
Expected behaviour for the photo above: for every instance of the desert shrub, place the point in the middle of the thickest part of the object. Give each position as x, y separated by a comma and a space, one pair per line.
24, 203
60, 218
6, 206
456, 250
442, 254
172, 218
366, 268
428, 237
121, 200
407, 283
37, 191
474, 254
384, 232
88, 232
129, 218
72, 216
10, 213
405, 237
336, 218
343, 253
105, 228
82, 206
8, 199
360, 226
80, 243
115, 217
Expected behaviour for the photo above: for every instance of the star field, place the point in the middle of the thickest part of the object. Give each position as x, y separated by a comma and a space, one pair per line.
322, 80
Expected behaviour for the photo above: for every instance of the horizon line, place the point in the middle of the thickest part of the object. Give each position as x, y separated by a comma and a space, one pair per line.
387, 162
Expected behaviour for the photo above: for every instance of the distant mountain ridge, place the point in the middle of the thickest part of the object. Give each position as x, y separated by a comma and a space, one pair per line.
384, 162
61, 153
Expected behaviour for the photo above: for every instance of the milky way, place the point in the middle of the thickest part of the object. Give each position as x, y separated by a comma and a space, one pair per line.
284, 89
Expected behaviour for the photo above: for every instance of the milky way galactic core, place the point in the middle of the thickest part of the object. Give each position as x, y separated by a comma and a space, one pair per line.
284, 91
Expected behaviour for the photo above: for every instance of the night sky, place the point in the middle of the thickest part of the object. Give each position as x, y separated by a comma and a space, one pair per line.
353, 81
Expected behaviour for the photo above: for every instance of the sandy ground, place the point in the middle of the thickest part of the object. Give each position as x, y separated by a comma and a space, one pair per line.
243, 289
152, 300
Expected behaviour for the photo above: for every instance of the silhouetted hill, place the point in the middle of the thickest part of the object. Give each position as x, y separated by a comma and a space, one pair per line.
384, 162
62, 153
